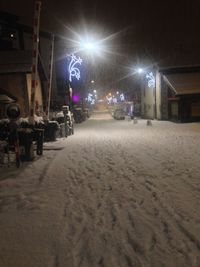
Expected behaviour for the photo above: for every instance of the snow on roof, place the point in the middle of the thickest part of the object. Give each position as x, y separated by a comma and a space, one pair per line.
2, 121
6, 97
59, 114
37, 119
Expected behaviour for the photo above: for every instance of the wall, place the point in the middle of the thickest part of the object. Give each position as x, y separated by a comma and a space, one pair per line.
45, 50
38, 93
16, 85
147, 100
164, 100
158, 95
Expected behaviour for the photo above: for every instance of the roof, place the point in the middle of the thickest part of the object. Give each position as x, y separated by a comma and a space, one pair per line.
15, 61
6, 97
179, 69
184, 83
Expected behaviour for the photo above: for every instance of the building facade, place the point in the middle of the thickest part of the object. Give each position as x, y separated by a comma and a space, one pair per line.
174, 95
16, 43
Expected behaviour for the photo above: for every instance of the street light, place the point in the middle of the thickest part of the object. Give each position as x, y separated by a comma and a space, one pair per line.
90, 45
91, 48
140, 70
151, 83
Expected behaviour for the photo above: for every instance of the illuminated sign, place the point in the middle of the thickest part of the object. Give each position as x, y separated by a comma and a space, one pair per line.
151, 79
73, 69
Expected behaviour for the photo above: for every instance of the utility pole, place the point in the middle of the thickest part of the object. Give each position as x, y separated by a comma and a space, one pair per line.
155, 95
50, 75
35, 53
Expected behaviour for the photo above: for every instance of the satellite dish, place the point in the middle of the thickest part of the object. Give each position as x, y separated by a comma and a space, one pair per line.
13, 111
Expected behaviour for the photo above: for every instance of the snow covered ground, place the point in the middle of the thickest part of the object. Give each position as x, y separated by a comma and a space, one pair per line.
116, 194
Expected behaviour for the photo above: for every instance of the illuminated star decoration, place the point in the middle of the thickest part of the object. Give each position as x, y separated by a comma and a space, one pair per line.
151, 79
73, 69
109, 98
91, 99
122, 98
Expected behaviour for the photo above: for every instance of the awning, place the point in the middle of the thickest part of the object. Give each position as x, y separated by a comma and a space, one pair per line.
6, 97
184, 83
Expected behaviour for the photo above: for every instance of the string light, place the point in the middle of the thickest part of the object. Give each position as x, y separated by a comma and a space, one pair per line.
151, 79
74, 71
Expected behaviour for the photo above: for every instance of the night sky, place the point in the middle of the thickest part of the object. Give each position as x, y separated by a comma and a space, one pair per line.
163, 32
141, 23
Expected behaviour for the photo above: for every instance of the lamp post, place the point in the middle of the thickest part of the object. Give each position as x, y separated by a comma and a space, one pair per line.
87, 46
151, 83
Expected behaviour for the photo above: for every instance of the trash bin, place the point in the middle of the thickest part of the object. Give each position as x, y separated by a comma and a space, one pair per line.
78, 115
62, 130
39, 138
26, 144
50, 130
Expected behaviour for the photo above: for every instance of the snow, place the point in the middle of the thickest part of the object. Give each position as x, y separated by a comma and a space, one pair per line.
59, 114
116, 194
37, 119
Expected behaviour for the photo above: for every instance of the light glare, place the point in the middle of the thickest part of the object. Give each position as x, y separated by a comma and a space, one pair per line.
140, 70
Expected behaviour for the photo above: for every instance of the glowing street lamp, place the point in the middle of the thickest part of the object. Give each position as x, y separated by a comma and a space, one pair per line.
151, 83
91, 46
140, 70
88, 45
85, 45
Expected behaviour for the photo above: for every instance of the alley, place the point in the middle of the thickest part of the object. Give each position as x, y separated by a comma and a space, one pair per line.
116, 194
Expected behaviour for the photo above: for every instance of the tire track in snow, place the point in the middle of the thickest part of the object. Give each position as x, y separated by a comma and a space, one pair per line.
169, 218
106, 189
150, 186
113, 209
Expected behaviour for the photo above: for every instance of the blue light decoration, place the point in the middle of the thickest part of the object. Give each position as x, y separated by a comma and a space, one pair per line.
109, 99
74, 71
151, 79
93, 102
114, 100
91, 99
122, 98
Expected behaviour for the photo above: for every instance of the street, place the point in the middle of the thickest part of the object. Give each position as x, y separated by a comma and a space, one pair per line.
116, 194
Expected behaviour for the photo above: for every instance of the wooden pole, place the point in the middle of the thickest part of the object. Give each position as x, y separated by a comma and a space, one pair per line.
50, 75
35, 53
